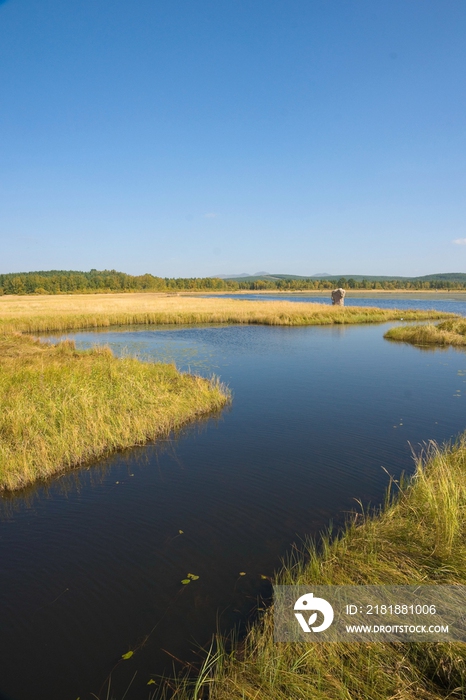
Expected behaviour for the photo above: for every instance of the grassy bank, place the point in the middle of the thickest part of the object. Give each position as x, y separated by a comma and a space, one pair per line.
62, 407
62, 313
418, 537
450, 332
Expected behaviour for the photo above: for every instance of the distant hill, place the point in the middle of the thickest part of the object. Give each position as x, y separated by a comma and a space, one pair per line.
255, 275
255, 278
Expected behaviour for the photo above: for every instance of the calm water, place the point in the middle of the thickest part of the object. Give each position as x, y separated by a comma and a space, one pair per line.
91, 563
451, 302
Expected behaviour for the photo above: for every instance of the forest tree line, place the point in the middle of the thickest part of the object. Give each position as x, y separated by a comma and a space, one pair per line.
66, 282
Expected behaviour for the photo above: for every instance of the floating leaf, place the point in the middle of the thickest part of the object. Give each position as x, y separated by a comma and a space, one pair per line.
151, 682
185, 581
181, 532
193, 577
128, 655
242, 573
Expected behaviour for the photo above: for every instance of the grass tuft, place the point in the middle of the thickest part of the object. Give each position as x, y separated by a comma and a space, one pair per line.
449, 332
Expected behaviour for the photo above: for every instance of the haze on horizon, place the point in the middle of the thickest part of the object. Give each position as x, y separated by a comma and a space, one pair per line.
184, 139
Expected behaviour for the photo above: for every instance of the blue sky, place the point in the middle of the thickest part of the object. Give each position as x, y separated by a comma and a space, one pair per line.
189, 138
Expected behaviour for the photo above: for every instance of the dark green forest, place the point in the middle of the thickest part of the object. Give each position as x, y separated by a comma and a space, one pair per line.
72, 282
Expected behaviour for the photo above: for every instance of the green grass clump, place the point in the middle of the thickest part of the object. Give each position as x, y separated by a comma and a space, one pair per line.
419, 536
449, 332
62, 407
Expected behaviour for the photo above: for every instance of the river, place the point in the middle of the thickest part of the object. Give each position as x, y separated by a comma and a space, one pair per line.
92, 561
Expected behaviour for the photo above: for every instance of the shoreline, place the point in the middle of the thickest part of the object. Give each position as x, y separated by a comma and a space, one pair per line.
415, 538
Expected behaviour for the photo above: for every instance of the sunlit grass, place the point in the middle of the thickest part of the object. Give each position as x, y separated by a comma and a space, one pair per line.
419, 536
67, 312
62, 407
449, 332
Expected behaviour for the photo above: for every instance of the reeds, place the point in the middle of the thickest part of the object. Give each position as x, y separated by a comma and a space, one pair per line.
419, 536
62, 313
62, 407
449, 332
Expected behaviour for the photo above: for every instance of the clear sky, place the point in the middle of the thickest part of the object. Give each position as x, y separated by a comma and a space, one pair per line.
196, 137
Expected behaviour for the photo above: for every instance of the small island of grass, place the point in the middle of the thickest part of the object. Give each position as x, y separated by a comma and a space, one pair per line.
62, 407
449, 332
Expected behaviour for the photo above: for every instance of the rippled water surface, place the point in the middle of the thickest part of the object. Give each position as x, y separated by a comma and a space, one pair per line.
91, 562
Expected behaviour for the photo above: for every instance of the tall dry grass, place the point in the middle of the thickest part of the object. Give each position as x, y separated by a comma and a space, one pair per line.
62, 407
419, 536
61, 313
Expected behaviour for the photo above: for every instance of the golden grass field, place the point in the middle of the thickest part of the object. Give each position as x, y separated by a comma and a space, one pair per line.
418, 537
68, 312
62, 407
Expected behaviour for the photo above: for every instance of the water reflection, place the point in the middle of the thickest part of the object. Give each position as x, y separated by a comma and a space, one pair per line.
425, 347
94, 474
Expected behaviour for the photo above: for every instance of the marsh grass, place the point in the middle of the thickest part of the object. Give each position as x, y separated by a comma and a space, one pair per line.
449, 332
418, 536
62, 407
61, 313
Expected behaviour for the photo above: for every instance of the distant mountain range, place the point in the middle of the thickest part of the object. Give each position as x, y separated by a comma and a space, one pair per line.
242, 274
